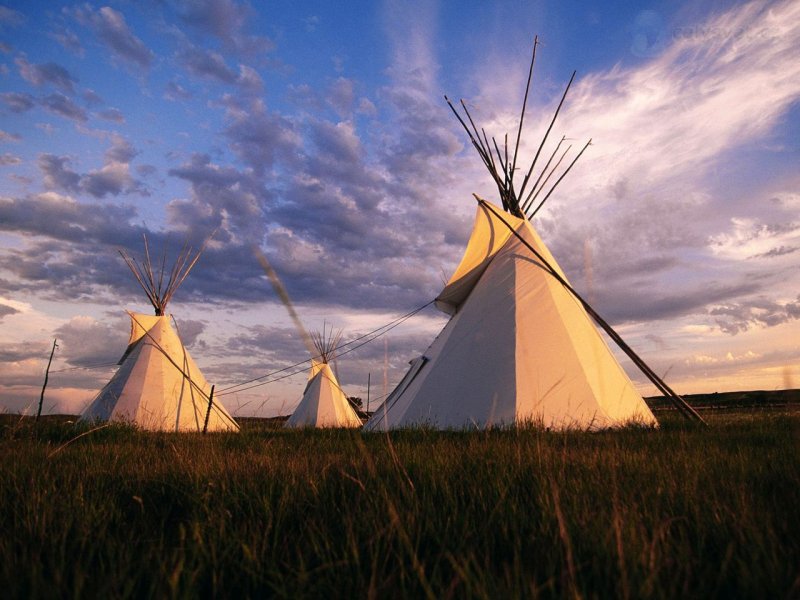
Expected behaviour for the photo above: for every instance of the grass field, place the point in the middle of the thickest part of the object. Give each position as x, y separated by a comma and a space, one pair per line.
678, 512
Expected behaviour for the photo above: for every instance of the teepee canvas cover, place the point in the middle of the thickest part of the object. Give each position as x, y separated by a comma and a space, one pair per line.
158, 386
519, 347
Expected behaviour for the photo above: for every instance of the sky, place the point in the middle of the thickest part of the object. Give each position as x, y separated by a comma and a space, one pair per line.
318, 132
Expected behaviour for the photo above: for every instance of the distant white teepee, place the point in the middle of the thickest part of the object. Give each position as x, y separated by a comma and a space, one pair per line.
158, 386
324, 404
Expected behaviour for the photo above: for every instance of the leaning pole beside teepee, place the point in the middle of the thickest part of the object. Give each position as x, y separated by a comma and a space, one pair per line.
158, 386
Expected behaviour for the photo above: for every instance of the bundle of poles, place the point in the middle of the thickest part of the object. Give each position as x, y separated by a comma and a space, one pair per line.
158, 291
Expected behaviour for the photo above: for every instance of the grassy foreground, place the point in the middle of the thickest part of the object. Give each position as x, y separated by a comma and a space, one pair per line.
679, 512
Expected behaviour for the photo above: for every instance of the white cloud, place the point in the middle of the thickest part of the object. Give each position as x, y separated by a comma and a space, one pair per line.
749, 238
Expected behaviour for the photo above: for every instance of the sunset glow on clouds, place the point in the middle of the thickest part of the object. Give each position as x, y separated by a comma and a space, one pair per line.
320, 134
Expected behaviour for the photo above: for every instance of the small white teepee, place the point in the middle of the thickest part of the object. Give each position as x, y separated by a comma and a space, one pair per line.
158, 386
324, 404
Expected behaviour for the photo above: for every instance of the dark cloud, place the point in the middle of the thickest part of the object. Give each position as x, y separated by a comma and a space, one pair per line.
61, 219
121, 150
249, 80
112, 114
644, 303
18, 103
112, 179
6, 310
258, 137
47, 73
9, 137
219, 193
206, 63
73, 254
306, 97
146, 170
190, 332
644, 238
62, 106
9, 16
758, 312
366, 107
91, 97
424, 129
69, 40
341, 96
9, 159
110, 27
275, 347
17, 353
83, 341
57, 173
225, 20
778, 251
176, 92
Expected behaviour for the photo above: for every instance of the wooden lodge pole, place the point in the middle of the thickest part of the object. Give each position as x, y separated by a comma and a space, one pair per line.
46, 375
208, 410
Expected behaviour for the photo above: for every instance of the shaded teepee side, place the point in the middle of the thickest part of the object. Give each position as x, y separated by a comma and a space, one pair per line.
324, 404
521, 345
158, 386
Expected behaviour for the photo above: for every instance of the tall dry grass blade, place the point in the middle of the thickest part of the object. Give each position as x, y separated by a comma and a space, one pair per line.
277, 285
566, 541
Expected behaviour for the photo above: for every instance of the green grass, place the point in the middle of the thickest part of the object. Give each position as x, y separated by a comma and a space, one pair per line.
680, 512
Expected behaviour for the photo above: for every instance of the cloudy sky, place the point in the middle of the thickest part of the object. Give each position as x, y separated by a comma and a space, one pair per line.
320, 135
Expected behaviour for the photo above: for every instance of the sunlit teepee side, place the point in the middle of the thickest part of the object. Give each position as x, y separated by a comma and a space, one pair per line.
324, 404
158, 386
522, 346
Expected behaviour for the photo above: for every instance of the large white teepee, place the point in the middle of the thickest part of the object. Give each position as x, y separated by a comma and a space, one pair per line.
158, 386
324, 404
519, 348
